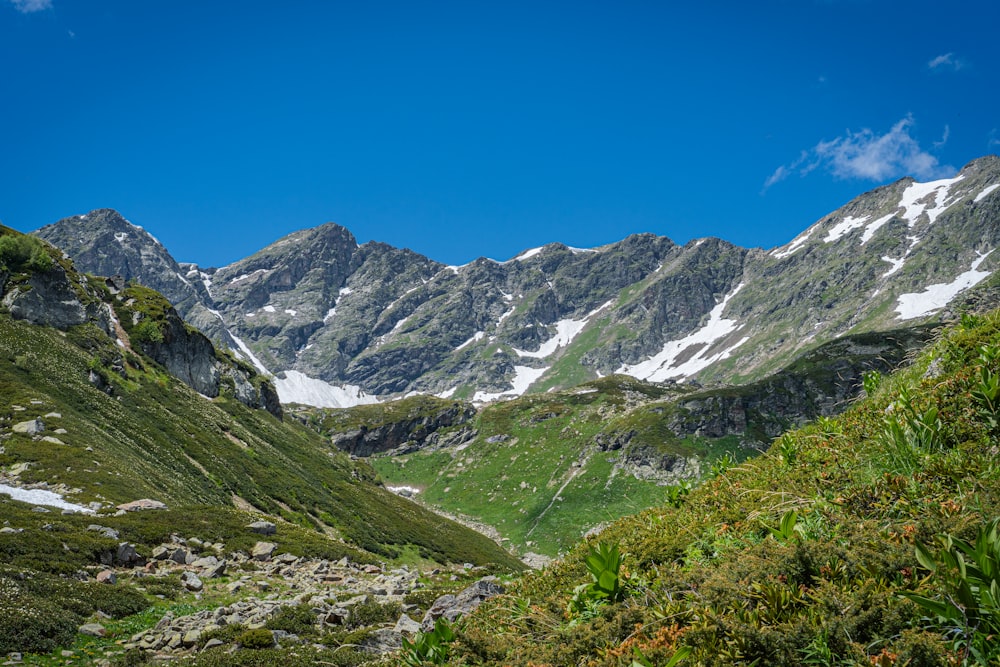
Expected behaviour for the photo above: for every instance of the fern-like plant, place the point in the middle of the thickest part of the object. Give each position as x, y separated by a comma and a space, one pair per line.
967, 608
430, 646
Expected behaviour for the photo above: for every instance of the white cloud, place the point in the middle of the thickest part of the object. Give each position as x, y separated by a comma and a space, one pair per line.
868, 156
944, 137
946, 61
993, 140
29, 6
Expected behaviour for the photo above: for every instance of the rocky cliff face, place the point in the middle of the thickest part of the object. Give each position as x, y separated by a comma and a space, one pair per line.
137, 318
372, 320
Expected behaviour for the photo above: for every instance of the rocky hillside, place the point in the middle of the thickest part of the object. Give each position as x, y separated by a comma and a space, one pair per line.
542, 470
94, 408
342, 323
867, 539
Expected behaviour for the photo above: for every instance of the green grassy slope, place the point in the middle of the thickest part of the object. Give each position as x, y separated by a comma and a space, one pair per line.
117, 428
803, 556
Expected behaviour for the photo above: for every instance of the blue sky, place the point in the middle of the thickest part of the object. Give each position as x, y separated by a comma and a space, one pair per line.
461, 129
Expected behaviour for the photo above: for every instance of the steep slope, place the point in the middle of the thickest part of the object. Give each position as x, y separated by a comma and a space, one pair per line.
342, 324
104, 243
542, 470
89, 410
807, 555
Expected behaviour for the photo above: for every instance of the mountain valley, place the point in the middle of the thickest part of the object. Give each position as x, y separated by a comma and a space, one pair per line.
293, 430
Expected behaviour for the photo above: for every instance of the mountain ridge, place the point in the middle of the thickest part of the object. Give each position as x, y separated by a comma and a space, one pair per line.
341, 323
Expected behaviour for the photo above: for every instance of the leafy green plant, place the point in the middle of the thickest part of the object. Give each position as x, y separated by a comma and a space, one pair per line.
642, 661
429, 646
788, 448
722, 464
604, 565
871, 381
967, 608
788, 528
677, 492
987, 391
909, 434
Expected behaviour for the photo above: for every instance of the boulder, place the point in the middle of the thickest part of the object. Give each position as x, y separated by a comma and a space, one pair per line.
31, 427
451, 607
406, 625
143, 504
93, 629
191, 582
262, 528
106, 577
263, 550
383, 640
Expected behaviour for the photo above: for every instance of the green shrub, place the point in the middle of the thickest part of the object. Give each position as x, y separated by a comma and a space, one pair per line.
296, 619
256, 639
371, 612
20, 252
31, 624
147, 331
116, 601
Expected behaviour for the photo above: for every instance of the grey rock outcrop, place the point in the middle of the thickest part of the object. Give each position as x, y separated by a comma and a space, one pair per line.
451, 607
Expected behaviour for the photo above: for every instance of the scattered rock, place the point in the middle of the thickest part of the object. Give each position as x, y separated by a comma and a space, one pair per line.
93, 629
107, 577
452, 606
383, 640
143, 504
263, 550
263, 528
212, 643
406, 625
52, 440
191, 581
31, 427
104, 530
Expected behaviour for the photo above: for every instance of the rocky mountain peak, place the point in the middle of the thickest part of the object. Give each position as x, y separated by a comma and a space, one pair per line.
317, 309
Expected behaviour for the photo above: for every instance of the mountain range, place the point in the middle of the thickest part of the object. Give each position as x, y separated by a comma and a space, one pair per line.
338, 324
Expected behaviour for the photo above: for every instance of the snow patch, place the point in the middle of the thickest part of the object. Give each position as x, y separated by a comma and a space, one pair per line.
897, 264
916, 192
935, 297
402, 490
579, 251
791, 248
666, 365
268, 309
298, 387
505, 316
448, 393
476, 337
329, 315
844, 227
248, 354
289, 311
524, 377
121, 236
42, 497
527, 254
566, 331
246, 276
985, 193
344, 291
874, 227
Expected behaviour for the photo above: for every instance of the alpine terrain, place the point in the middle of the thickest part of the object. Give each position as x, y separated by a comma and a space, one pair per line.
341, 324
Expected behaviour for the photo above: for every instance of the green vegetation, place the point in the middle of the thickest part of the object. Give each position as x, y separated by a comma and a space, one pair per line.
812, 554
430, 646
19, 252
